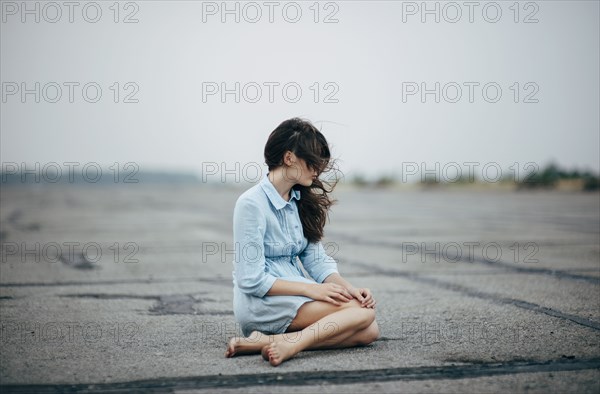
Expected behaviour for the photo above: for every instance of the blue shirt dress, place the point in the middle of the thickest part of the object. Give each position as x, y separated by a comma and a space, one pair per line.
268, 241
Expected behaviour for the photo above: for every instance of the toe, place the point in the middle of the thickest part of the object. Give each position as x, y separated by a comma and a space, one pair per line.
265, 352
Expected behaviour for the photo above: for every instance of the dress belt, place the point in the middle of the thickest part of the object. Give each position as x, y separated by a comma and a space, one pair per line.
291, 259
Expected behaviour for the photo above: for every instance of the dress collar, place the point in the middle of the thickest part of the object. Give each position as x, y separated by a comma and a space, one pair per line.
277, 201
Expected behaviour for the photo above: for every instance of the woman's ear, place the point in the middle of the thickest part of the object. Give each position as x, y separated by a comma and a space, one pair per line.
289, 157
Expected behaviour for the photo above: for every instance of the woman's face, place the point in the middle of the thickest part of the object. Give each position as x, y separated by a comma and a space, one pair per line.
299, 172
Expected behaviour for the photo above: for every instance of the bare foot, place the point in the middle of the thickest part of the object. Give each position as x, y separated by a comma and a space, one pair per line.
250, 345
277, 352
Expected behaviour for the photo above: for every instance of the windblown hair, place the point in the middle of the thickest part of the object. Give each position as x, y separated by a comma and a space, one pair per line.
303, 139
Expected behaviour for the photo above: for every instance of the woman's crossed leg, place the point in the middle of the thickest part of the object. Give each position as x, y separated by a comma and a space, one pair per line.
317, 325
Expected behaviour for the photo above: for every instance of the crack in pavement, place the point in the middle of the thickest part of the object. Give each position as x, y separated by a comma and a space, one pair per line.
78, 261
561, 274
473, 370
218, 281
14, 218
171, 304
183, 304
479, 294
102, 296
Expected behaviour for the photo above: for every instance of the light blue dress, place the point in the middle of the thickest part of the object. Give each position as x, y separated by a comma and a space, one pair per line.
268, 241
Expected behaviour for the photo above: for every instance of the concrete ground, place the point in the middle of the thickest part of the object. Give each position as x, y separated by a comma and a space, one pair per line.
128, 288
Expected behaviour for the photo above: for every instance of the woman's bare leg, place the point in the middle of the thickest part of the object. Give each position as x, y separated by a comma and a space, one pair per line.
331, 330
341, 340
308, 314
253, 344
311, 312
247, 345
349, 339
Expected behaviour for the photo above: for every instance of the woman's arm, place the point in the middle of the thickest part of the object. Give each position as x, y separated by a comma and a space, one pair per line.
337, 278
249, 227
328, 292
323, 269
288, 287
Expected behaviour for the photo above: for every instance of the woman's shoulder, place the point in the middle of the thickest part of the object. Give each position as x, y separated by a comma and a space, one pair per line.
253, 196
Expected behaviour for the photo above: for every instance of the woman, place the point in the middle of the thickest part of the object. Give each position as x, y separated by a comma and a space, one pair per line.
276, 222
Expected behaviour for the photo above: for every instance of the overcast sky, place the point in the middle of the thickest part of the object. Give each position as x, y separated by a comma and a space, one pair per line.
365, 65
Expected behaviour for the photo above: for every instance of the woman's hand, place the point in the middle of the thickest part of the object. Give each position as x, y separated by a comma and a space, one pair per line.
364, 296
329, 292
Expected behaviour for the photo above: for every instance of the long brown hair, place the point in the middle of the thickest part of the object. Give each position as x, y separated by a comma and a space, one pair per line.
303, 139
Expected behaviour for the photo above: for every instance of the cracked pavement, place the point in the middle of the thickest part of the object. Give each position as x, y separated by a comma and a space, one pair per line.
114, 288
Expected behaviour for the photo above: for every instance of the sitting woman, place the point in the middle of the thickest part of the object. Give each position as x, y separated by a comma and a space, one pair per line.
275, 222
